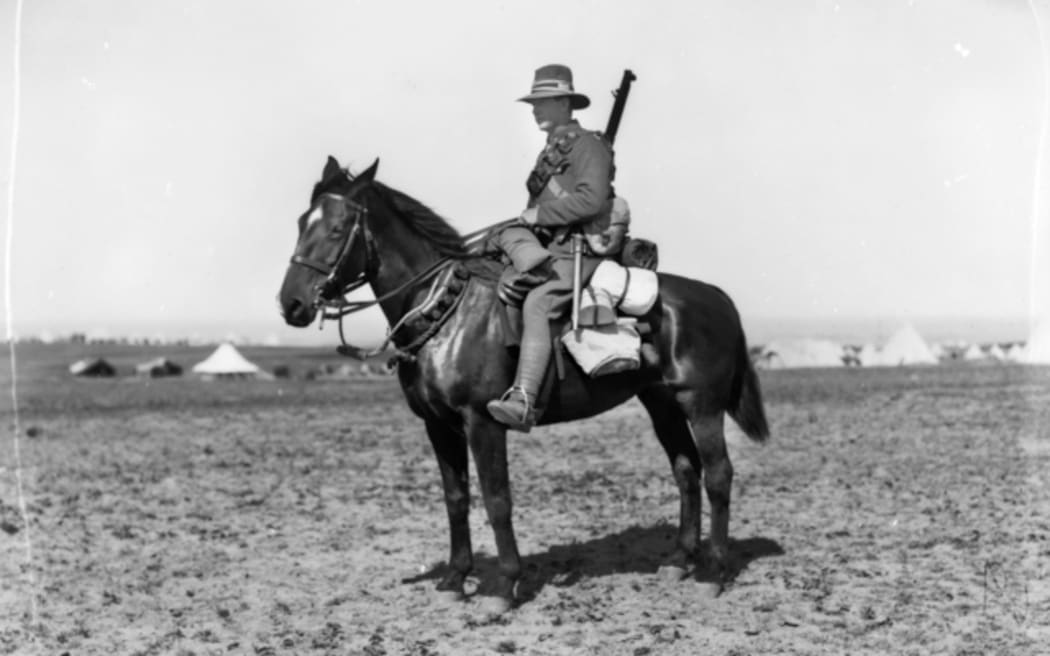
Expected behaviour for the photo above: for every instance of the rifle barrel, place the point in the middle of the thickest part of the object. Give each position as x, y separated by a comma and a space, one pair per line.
620, 95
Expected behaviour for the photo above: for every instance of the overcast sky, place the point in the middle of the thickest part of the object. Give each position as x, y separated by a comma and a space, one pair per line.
817, 160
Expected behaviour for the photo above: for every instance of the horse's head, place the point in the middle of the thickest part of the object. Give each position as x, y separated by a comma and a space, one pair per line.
332, 253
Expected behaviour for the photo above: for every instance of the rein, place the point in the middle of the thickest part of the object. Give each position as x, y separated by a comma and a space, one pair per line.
338, 308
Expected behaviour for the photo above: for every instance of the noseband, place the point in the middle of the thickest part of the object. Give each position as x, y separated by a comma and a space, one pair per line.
327, 287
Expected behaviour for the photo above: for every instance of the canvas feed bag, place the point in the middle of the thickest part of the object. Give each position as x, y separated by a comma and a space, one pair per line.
606, 349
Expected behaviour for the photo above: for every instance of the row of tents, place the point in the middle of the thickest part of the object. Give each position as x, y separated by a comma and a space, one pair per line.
905, 347
225, 362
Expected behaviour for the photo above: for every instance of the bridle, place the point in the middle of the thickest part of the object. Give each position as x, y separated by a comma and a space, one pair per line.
324, 290
330, 293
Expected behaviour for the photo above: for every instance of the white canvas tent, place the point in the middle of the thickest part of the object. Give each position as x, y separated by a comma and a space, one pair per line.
1037, 350
974, 352
227, 362
904, 347
1015, 353
796, 353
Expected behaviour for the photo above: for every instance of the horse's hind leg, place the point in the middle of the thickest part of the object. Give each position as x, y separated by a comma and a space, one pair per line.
709, 431
672, 429
450, 446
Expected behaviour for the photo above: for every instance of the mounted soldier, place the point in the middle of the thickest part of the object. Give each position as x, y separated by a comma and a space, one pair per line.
570, 195
435, 288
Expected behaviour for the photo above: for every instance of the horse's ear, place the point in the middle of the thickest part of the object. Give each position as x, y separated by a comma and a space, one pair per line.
331, 168
369, 174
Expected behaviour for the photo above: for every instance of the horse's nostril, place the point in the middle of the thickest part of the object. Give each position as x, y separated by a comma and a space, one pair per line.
297, 313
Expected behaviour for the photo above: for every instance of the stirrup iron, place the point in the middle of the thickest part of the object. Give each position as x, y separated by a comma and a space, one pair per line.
527, 418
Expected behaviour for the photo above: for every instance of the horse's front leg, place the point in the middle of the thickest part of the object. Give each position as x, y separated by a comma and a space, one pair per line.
488, 442
450, 446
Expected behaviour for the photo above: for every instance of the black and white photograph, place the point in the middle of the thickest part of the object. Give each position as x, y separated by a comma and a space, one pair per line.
347, 327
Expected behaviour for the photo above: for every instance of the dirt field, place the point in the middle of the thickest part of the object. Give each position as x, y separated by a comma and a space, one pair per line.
896, 511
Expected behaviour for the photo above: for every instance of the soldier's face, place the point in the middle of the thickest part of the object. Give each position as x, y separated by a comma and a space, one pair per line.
551, 112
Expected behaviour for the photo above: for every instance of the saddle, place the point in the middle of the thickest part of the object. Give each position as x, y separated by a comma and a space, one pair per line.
610, 337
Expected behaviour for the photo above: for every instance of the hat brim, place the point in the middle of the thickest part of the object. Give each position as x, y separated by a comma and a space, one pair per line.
576, 100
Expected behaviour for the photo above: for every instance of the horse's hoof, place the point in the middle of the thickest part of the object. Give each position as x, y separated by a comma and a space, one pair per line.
495, 606
672, 573
708, 589
449, 597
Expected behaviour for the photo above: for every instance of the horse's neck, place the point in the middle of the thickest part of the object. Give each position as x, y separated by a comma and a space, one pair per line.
401, 255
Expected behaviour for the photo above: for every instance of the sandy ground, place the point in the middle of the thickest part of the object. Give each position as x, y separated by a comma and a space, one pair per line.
893, 512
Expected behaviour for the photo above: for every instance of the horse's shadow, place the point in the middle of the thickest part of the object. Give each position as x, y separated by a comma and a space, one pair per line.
639, 550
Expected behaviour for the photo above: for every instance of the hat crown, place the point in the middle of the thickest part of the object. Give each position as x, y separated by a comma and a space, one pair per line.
553, 81
553, 77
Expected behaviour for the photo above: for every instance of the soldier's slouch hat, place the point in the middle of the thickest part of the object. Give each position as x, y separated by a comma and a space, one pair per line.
555, 81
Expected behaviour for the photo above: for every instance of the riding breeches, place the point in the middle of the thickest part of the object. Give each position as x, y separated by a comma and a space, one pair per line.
550, 300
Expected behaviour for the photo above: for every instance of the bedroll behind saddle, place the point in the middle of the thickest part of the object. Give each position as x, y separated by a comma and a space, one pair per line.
614, 289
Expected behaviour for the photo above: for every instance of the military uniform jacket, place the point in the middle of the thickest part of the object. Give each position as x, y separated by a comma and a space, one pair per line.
578, 167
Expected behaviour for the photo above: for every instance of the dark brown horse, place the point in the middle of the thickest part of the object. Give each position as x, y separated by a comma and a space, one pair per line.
358, 229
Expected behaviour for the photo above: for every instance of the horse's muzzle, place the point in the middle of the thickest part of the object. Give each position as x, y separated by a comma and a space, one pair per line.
298, 314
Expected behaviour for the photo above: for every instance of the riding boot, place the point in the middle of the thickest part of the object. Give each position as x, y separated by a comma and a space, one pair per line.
517, 407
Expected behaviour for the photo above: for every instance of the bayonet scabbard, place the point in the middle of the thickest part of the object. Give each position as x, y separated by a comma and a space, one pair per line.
577, 280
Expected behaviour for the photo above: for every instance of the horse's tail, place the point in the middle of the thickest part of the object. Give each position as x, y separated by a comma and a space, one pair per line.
746, 408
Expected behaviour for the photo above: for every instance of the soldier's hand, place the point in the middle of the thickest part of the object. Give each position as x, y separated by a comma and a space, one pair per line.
529, 216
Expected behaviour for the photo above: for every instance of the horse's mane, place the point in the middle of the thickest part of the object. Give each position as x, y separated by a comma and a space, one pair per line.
424, 221
419, 218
